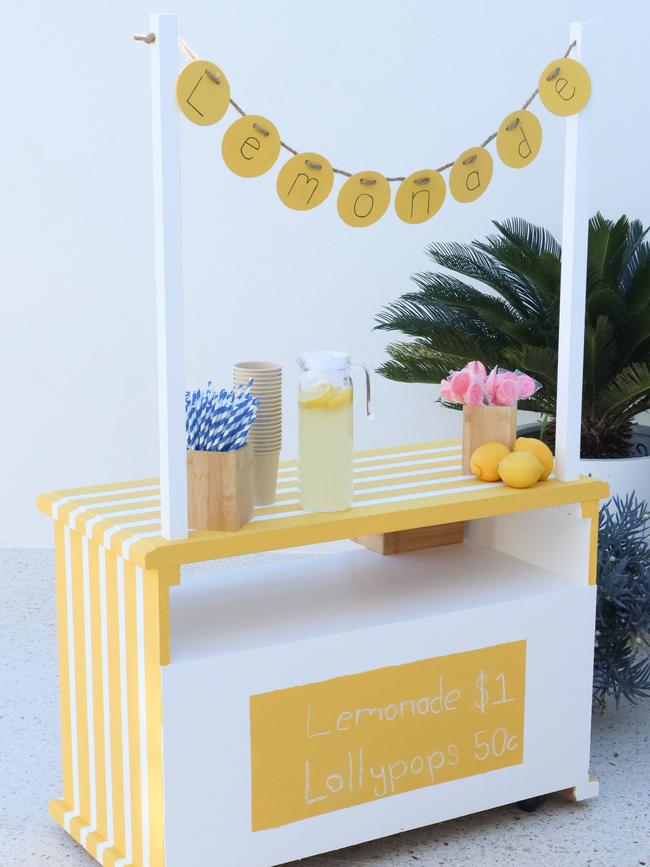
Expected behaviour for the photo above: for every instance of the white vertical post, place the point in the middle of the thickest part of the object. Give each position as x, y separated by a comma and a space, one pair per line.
169, 280
575, 226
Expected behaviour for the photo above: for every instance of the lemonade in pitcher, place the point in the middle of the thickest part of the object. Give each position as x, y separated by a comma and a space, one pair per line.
326, 430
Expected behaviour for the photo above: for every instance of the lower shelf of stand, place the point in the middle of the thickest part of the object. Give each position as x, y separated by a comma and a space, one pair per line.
396, 488
311, 596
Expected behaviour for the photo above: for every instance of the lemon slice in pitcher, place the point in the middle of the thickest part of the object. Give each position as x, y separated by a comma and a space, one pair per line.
316, 395
339, 397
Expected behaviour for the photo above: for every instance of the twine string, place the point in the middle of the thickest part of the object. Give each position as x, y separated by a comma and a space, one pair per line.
150, 37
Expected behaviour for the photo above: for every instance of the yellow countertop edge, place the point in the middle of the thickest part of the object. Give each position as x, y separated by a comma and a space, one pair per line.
205, 545
44, 502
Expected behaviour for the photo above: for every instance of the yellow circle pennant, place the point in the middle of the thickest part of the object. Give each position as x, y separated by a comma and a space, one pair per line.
420, 196
305, 181
519, 139
471, 174
565, 86
250, 146
363, 199
202, 92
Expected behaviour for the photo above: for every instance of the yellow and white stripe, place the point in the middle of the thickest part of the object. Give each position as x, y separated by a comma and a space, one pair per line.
111, 717
394, 489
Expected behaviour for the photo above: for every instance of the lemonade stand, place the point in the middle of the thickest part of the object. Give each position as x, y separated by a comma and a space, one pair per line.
263, 714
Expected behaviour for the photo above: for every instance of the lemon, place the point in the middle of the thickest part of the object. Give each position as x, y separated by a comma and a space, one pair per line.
520, 470
485, 459
339, 396
316, 395
538, 449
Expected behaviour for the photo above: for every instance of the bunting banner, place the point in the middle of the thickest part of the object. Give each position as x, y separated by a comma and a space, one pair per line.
251, 147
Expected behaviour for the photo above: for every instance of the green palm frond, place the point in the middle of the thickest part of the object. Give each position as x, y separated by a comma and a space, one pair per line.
637, 254
601, 359
474, 263
626, 395
442, 289
608, 243
530, 254
416, 362
637, 293
536, 239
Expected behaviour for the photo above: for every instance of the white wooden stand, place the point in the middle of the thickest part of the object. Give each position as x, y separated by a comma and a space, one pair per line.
249, 718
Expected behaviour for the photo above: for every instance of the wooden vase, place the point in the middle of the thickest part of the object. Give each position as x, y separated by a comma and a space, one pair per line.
219, 489
486, 424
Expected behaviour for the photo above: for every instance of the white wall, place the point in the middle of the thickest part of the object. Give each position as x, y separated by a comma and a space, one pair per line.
377, 85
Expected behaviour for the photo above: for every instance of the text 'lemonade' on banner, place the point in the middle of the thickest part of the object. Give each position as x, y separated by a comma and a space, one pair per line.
250, 146
358, 738
565, 87
420, 196
471, 174
202, 92
363, 199
519, 139
305, 181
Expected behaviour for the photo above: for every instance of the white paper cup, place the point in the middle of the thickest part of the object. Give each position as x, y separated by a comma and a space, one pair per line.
266, 432
265, 476
266, 444
269, 420
268, 401
261, 371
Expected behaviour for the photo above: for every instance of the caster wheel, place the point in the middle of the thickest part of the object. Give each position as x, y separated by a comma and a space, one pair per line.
530, 805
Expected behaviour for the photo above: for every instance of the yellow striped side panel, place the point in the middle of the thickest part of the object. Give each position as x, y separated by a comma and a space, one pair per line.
62, 595
111, 714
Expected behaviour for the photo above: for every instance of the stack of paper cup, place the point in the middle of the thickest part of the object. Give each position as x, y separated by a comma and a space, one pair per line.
266, 433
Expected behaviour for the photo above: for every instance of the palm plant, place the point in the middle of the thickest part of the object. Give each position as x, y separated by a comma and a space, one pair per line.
511, 319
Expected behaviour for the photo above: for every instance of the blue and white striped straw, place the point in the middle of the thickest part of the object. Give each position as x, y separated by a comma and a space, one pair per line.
219, 421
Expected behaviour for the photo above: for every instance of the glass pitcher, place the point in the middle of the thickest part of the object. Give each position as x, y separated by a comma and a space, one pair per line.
325, 423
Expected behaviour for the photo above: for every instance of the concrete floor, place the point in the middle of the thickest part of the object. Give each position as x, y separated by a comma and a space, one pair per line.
611, 831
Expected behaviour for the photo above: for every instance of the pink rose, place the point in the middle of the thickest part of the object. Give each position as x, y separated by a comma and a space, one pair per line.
459, 383
474, 394
476, 368
527, 386
445, 391
506, 391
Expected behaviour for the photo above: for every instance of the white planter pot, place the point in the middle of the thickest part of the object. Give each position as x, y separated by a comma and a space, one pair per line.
623, 475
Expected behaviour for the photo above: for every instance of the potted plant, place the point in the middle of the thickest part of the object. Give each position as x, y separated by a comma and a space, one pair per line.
511, 320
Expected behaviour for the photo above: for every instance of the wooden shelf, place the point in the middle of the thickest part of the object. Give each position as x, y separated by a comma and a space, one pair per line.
397, 488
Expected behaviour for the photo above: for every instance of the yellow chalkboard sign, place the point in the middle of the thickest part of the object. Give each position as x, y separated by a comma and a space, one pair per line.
330, 745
